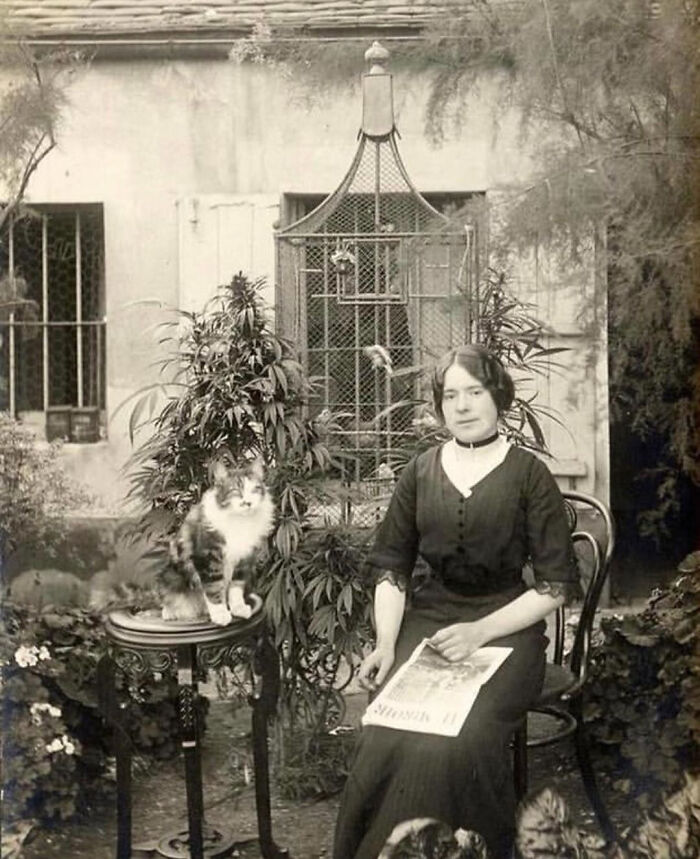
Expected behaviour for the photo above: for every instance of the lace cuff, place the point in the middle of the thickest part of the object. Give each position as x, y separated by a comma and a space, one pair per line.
397, 579
569, 590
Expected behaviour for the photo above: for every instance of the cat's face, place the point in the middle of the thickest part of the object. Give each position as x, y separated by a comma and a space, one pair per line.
237, 488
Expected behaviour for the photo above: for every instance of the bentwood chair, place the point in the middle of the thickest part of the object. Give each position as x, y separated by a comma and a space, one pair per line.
559, 707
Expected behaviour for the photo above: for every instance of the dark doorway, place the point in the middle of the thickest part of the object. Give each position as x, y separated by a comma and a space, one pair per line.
656, 507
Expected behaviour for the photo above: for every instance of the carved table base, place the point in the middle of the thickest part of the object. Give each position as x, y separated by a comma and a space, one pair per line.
140, 645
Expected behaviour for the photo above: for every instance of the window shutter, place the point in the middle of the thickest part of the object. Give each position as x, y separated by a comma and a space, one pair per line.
565, 299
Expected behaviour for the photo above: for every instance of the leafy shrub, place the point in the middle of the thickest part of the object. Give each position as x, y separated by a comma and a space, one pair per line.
56, 749
83, 546
643, 707
35, 492
318, 601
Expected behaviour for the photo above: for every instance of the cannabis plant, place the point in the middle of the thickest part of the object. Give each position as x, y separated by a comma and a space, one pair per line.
509, 328
236, 386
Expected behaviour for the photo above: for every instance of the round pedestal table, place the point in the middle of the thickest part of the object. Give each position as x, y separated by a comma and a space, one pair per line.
141, 645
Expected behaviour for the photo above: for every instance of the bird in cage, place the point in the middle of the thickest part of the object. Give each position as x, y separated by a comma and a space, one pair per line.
385, 472
380, 358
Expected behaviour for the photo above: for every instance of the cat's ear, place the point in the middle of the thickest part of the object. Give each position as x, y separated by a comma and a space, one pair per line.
256, 467
217, 470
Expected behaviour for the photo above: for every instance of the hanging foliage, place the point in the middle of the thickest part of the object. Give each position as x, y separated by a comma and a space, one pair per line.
31, 101
608, 97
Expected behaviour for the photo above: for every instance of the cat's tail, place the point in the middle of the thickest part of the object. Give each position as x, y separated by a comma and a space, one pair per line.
131, 585
122, 596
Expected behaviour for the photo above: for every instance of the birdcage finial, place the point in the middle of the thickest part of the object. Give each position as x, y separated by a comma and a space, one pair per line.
376, 54
377, 95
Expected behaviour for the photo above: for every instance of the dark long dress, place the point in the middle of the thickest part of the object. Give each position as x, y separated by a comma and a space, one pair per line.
476, 548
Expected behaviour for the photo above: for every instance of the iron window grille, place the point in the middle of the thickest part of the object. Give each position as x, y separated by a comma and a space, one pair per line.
52, 349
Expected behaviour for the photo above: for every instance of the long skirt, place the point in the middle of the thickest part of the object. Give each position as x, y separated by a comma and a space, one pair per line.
465, 781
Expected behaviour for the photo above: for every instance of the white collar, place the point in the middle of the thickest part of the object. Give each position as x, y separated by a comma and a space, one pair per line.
466, 466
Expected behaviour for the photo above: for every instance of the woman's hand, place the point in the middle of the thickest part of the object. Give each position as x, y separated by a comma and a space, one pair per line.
459, 641
374, 668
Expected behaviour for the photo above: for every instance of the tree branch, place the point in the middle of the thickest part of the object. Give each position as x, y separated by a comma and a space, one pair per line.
33, 162
568, 113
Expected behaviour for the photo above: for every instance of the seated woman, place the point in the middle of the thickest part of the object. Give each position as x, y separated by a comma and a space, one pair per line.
476, 509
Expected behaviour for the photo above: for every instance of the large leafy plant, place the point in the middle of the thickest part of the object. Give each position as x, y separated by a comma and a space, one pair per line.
643, 707
238, 386
234, 385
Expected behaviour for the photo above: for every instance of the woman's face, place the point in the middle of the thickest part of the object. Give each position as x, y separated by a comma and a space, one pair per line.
467, 406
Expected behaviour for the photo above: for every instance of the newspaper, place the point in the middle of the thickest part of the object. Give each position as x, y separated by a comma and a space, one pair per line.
431, 695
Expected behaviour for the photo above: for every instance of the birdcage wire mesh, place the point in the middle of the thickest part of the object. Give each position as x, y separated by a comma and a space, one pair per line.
52, 351
373, 283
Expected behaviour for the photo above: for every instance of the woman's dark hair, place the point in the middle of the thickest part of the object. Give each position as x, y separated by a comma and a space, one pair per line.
484, 366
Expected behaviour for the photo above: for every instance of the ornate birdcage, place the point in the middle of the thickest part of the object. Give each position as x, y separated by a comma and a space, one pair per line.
374, 283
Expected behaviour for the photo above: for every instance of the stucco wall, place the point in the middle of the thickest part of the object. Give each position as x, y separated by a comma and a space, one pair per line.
185, 153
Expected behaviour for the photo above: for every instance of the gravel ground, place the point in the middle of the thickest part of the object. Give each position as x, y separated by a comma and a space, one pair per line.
303, 828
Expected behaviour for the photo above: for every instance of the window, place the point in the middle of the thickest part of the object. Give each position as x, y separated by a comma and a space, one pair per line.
52, 344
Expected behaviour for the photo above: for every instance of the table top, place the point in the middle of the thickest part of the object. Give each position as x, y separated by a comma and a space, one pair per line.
147, 629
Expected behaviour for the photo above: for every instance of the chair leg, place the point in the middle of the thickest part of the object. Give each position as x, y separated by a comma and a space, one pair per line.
520, 761
588, 775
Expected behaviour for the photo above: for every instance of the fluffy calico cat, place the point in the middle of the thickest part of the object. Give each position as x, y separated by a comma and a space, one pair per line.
427, 838
545, 830
209, 569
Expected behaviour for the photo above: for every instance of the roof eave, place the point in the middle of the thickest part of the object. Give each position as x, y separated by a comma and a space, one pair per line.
204, 41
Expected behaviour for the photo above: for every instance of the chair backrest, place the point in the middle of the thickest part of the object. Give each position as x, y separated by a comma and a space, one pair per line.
599, 536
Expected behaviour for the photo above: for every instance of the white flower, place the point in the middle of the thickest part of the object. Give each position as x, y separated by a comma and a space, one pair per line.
62, 743
26, 656
37, 708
